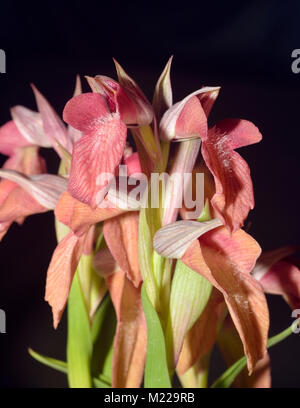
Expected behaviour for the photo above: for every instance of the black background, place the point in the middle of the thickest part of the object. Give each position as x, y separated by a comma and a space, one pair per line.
245, 47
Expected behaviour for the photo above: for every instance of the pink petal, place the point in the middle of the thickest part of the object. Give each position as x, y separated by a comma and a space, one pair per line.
61, 272
11, 139
54, 128
130, 341
86, 111
121, 236
133, 164
226, 261
75, 134
104, 263
234, 191
93, 154
30, 125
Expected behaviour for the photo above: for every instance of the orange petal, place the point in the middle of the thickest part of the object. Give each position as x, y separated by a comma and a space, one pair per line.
232, 349
79, 216
121, 236
226, 261
202, 336
131, 336
61, 272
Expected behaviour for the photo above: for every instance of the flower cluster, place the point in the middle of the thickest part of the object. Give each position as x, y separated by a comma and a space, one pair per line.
203, 278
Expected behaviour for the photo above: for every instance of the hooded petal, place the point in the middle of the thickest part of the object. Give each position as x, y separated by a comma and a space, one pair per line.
30, 125
60, 273
121, 236
226, 261
188, 119
234, 191
131, 335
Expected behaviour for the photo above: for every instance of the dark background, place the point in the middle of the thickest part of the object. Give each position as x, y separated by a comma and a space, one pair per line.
245, 47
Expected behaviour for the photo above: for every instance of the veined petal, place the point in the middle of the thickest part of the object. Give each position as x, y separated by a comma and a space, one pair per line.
78, 216
104, 263
45, 188
163, 97
61, 272
173, 240
11, 139
234, 191
226, 261
84, 112
188, 119
94, 155
54, 128
144, 111
121, 236
30, 125
131, 336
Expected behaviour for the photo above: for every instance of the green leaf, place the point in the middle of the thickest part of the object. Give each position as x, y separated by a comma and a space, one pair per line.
50, 362
227, 378
189, 295
103, 331
156, 370
62, 366
79, 346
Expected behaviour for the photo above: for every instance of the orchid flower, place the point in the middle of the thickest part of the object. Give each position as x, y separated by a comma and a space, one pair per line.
156, 291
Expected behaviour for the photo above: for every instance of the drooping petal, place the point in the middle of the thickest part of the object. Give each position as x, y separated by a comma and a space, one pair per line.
188, 119
11, 139
173, 240
131, 335
78, 216
30, 125
226, 261
85, 111
96, 156
61, 272
163, 97
234, 191
53, 126
121, 236
46, 189
231, 348
202, 336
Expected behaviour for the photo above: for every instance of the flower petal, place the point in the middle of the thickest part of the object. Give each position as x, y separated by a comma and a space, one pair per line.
96, 154
45, 188
61, 272
121, 236
78, 216
84, 111
131, 336
11, 139
173, 240
30, 125
54, 127
234, 191
188, 119
163, 97
226, 261
75, 134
